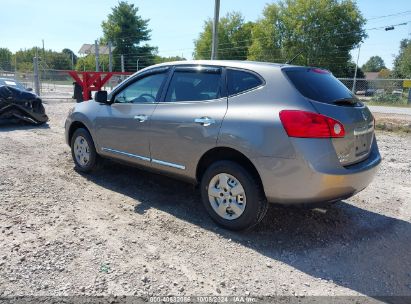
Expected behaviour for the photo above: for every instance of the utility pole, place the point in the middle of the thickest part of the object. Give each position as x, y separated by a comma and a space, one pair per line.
97, 55
356, 68
110, 58
44, 52
137, 63
110, 62
72, 60
122, 67
36, 75
122, 63
215, 30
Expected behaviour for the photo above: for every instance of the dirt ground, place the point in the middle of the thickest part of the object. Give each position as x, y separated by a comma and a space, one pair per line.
123, 231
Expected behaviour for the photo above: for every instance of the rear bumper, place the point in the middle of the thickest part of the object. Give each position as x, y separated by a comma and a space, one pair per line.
315, 175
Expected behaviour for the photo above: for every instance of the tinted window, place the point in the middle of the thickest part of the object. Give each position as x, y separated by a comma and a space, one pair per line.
318, 85
240, 81
12, 83
143, 90
193, 86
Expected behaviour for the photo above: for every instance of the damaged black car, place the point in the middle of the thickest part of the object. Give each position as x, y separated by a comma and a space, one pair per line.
19, 104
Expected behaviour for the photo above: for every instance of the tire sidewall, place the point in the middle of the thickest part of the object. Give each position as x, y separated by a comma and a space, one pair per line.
93, 154
252, 213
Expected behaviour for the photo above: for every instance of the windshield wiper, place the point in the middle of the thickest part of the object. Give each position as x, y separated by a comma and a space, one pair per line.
348, 101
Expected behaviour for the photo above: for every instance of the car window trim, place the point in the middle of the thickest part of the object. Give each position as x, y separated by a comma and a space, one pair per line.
195, 68
198, 69
263, 82
140, 76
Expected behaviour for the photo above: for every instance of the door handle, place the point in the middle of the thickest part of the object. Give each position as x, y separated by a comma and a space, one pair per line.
140, 118
205, 121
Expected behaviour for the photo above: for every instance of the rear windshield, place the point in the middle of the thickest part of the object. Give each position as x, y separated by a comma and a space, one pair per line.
319, 85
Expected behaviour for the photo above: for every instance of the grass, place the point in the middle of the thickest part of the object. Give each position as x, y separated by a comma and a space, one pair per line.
393, 125
390, 100
388, 104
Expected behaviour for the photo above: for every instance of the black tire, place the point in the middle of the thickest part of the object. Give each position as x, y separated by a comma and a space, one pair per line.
256, 203
93, 160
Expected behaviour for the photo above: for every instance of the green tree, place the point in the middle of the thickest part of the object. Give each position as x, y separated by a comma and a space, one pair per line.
402, 62
5, 59
266, 37
88, 63
70, 54
48, 60
57, 61
127, 31
384, 73
374, 64
324, 31
234, 38
349, 71
24, 60
160, 59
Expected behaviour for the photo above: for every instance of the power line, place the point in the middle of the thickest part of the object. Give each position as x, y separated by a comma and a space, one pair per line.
391, 15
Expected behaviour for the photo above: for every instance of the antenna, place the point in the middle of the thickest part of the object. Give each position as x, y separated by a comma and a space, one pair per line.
292, 59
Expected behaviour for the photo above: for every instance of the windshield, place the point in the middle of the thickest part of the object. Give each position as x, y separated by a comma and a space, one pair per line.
12, 83
319, 85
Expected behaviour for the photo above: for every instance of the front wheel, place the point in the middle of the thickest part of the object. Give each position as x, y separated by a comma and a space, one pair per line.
83, 151
232, 196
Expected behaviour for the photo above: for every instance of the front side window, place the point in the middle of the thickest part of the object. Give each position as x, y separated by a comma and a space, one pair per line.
241, 81
144, 90
194, 86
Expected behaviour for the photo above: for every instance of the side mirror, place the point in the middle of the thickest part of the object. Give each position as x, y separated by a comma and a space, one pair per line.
29, 89
101, 97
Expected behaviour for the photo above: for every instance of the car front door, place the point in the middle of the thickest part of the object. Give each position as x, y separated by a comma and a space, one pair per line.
123, 127
186, 122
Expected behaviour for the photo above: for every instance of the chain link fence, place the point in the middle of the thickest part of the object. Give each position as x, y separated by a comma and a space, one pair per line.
54, 84
379, 90
58, 85
26, 79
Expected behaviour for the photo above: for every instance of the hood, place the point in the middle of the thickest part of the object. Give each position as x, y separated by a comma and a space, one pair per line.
9, 92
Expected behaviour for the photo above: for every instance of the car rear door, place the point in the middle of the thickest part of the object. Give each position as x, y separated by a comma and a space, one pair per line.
123, 127
332, 98
186, 122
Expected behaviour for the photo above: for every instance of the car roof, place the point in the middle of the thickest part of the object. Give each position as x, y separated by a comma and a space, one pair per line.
256, 66
226, 63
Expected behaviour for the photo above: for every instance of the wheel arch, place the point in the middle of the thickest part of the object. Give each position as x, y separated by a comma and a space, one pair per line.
73, 127
226, 153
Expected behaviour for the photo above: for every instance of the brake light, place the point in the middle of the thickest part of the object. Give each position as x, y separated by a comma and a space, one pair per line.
320, 71
310, 125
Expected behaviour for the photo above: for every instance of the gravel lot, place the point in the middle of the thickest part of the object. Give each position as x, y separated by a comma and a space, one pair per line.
123, 231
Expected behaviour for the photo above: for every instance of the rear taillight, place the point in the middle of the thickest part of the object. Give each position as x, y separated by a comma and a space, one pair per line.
310, 125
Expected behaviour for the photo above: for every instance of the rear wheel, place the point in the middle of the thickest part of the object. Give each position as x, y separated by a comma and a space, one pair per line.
83, 151
232, 196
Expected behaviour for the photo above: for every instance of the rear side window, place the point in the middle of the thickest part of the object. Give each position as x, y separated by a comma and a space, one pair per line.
241, 81
319, 85
193, 86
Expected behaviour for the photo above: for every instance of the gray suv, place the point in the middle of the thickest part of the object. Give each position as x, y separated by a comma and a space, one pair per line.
247, 133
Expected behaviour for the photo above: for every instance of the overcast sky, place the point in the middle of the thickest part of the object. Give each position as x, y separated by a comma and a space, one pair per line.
174, 24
